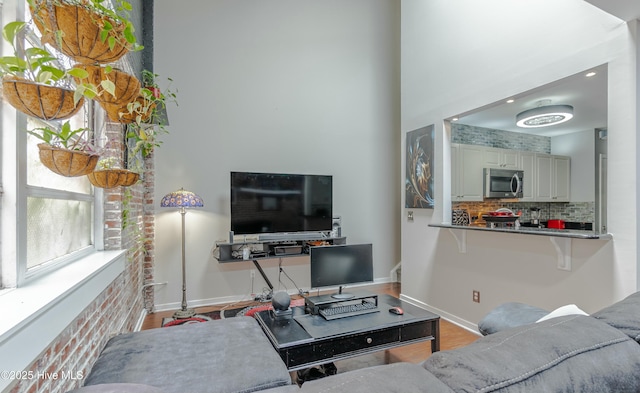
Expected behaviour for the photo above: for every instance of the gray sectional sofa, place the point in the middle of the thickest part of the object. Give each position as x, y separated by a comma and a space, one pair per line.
573, 353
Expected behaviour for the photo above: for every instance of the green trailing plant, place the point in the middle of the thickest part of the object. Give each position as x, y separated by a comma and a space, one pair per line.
108, 163
160, 97
145, 139
64, 138
91, 90
39, 65
147, 112
129, 223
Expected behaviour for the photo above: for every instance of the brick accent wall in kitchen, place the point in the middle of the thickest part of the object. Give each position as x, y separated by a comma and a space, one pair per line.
119, 307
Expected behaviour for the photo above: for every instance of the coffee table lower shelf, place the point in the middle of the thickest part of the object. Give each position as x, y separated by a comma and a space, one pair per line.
299, 350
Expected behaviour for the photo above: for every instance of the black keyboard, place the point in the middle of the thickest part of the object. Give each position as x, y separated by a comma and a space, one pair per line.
348, 310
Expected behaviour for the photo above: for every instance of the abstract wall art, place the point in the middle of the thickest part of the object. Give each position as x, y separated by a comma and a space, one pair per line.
419, 168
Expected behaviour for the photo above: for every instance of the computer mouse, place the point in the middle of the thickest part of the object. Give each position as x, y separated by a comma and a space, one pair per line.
396, 310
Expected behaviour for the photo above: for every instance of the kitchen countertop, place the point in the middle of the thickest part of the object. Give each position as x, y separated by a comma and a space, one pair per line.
570, 233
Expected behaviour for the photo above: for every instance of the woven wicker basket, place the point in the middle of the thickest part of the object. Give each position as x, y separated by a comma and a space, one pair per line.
80, 30
42, 101
127, 86
110, 178
69, 163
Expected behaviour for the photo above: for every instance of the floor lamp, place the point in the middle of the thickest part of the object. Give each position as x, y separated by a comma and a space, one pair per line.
182, 199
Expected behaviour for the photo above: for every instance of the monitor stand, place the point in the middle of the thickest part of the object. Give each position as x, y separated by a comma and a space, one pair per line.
343, 296
313, 304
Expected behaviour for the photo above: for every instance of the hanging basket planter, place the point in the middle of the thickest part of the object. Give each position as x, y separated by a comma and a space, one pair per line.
42, 101
76, 31
110, 178
69, 163
127, 88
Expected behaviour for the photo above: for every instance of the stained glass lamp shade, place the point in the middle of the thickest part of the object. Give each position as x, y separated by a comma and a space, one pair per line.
181, 198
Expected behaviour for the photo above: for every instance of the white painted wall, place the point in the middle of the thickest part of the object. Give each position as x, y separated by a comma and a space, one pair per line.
458, 56
295, 86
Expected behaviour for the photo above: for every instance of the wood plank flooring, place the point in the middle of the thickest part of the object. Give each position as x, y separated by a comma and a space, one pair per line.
451, 336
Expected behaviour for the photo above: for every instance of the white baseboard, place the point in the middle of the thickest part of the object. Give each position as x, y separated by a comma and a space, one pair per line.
242, 298
393, 274
472, 327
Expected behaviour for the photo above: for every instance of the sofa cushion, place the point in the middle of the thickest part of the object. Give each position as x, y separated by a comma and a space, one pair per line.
510, 315
566, 354
392, 378
228, 355
623, 315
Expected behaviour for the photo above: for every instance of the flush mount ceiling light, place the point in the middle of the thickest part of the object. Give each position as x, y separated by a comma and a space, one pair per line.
544, 116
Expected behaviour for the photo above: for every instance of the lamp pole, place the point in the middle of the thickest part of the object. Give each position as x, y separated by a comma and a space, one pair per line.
182, 199
184, 312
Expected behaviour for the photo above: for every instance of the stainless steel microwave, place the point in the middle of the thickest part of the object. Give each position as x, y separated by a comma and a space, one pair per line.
503, 183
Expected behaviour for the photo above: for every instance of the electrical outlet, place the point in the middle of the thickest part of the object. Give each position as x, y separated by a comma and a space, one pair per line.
476, 296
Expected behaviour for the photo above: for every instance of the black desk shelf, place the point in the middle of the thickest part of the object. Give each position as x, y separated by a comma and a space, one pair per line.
225, 250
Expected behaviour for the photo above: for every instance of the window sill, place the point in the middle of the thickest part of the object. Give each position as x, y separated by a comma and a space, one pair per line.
36, 313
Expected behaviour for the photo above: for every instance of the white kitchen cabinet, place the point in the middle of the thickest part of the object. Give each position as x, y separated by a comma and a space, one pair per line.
547, 177
494, 157
562, 180
552, 178
528, 165
466, 172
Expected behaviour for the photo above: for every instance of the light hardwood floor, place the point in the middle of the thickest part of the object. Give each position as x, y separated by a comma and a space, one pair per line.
451, 336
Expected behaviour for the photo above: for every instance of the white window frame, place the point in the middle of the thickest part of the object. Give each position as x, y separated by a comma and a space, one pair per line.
13, 180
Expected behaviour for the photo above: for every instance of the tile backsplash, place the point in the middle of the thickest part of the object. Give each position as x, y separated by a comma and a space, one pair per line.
568, 211
472, 135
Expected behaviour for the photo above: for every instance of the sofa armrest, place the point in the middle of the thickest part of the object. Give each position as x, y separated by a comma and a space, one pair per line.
565, 354
230, 355
623, 315
510, 315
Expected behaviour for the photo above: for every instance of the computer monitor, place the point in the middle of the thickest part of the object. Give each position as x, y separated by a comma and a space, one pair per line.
341, 265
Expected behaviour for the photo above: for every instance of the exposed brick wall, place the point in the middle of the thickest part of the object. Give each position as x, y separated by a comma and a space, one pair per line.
148, 207
118, 308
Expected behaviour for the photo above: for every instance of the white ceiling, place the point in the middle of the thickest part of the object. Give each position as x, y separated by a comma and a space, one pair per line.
588, 96
624, 9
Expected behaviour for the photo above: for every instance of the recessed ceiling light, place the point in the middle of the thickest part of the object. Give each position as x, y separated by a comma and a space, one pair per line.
544, 116
510, 101
455, 119
590, 74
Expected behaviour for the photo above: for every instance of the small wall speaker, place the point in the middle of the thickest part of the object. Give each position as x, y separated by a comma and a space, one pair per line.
336, 227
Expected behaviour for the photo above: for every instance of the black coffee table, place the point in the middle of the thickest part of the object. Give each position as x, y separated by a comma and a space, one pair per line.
327, 341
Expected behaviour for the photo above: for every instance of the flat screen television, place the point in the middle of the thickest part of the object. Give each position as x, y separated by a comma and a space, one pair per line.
280, 203
341, 265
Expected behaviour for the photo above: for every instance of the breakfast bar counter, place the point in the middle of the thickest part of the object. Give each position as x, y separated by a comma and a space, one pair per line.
567, 233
